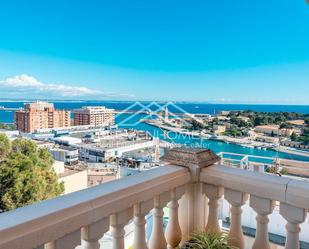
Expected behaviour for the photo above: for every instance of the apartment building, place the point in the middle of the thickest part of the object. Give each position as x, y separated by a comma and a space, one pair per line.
94, 115
40, 115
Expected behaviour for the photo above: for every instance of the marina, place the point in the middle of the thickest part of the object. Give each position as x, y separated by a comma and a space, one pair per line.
217, 144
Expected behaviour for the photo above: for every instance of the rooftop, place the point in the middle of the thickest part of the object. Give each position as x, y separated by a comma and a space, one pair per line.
296, 122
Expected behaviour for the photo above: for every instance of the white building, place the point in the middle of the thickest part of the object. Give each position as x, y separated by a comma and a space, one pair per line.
73, 180
66, 140
65, 154
96, 152
10, 133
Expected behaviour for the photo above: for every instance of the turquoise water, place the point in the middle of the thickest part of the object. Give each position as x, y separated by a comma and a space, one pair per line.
216, 146
177, 138
188, 107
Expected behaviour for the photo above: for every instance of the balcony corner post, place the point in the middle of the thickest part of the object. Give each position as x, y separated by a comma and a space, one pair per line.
192, 206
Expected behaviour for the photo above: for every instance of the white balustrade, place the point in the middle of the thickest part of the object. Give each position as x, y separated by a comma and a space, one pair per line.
185, 213
237, 200
213, 193
263, 207
92, 233
40, 247
140, 211
117, 222
173, 232
66, 221
69, 241
294, 216
157, 239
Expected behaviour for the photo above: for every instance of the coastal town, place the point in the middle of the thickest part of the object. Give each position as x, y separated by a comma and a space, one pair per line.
89, 139
89, 147
285, 132
154, 124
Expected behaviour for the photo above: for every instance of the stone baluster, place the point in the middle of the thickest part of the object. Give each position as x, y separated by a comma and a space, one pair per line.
173, 231
40, 247
157, 239
185, 213
69, 241
294, 216
263, 207
117, 223
50, 245
214, 193
93, 232
237, 200
140, 211
192, 206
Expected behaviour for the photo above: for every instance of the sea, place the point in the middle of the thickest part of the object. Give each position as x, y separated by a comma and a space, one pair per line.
132, 121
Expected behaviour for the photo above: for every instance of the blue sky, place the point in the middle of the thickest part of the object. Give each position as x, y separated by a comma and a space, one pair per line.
216, 51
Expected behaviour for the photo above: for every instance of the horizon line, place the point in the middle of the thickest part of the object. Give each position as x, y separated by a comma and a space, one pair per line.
174, 101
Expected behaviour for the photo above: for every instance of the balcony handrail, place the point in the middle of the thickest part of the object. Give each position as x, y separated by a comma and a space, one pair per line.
290, 191
88, 214
34, 225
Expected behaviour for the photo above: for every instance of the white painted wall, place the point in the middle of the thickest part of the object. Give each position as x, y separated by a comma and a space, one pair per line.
75, 182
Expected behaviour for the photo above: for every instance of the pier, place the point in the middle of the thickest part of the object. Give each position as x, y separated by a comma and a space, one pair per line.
3, 108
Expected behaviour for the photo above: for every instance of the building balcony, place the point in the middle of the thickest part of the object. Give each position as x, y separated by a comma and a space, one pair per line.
191, 183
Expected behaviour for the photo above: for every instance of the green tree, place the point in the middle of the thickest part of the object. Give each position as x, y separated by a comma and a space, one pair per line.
284, 171
26, 176
257, 121
6, 126
5, 146
293, 136
285, 126
196, 125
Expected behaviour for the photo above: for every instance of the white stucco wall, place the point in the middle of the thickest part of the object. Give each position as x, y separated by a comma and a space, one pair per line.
75, 182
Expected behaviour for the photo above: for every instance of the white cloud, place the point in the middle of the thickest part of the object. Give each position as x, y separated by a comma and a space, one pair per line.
25, 83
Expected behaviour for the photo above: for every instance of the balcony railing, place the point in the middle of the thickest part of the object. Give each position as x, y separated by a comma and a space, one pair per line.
190, 185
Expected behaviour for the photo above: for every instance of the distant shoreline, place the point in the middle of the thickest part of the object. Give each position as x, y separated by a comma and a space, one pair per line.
148, 101
195, 134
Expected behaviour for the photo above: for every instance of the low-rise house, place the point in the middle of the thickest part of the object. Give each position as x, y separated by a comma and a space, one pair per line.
273, 130
267, 139
222, 118
294, 144
73, 180
224, 113
219, 129
43, 144
11, 134
244, 118
300, 123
